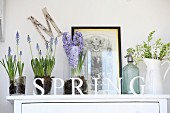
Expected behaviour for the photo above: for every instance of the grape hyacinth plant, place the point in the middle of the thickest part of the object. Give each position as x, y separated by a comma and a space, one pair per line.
74, 50
43, 66
10, 64
20, 64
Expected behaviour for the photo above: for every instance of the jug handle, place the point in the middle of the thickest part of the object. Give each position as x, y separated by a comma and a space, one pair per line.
167, 68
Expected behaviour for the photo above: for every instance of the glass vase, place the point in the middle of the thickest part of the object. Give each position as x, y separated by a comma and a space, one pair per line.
12, 87
20, 85
68, 83
46, 85
17, 86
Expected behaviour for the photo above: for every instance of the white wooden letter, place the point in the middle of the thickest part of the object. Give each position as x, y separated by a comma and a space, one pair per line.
55, 83
132, 83
37, 86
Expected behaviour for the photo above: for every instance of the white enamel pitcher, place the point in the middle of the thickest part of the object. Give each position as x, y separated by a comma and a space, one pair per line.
154, 78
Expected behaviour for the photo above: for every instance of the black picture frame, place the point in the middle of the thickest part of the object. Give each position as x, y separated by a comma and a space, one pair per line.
101, 32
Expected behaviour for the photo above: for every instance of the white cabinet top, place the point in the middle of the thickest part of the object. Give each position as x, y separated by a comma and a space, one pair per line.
83, 97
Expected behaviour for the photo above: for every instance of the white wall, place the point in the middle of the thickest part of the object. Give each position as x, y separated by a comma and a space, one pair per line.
136, 18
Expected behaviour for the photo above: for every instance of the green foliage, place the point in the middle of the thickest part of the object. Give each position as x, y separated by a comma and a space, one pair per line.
49, 65
37, 67
20, 66
10, 65
158, 50
77, 70
43, 66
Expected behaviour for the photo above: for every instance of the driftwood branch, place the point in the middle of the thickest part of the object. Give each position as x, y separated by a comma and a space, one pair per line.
48, 31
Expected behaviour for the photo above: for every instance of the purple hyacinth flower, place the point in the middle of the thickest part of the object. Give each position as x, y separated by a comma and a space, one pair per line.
9, 51
79, 34
73, 57
78, 41
81, 43
67, 43
17, 38
66, 38
28, 39
67, 49
73, 47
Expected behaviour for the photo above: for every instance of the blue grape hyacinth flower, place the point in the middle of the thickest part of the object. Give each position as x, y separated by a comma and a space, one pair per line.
17, 38
51, 41
28, 39
9, 51
20, 53
56, 41
37, 47
47, 45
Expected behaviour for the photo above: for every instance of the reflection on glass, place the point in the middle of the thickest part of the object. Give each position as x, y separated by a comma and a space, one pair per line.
101, 62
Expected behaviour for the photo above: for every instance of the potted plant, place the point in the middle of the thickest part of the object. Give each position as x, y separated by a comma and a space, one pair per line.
20, 81
43, 66
10, 65
159, 50
154, 55
74, 50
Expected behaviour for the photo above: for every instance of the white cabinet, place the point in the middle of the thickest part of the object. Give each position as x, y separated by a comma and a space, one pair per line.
91, 107
89, 104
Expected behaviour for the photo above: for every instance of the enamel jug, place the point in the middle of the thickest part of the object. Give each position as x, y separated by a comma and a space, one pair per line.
154, 78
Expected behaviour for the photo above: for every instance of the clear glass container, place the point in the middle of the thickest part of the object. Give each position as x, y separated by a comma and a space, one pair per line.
128, 73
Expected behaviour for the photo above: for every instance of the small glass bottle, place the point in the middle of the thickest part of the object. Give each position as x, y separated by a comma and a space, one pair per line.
128, 73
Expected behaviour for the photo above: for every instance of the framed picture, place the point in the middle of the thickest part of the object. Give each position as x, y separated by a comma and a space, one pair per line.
103, 58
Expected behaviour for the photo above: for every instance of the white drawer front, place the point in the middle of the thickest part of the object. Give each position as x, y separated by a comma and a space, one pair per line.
90, 108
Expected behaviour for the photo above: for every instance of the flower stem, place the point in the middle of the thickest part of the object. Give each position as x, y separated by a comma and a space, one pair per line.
54, 50
17, 53
31, 51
